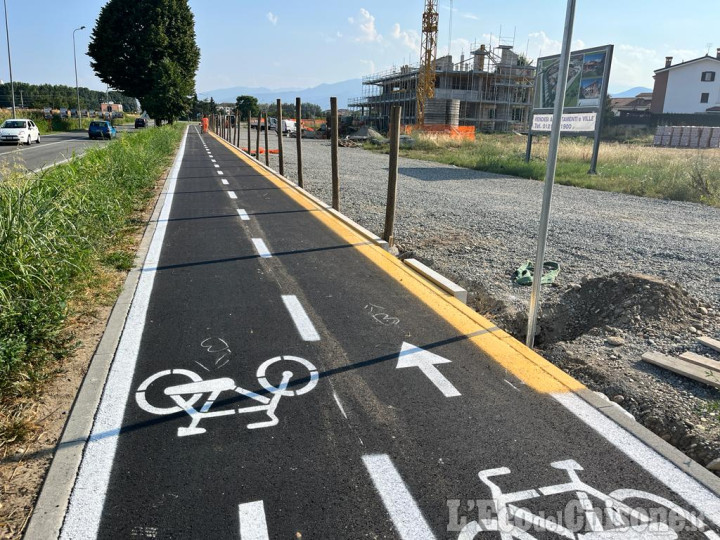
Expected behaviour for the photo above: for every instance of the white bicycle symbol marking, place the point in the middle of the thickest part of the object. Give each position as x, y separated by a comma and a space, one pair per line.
626, 522
186, 395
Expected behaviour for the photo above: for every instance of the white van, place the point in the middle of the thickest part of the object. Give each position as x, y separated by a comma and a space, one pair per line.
288, 127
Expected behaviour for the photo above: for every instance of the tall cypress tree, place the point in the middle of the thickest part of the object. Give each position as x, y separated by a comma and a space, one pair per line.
147, 49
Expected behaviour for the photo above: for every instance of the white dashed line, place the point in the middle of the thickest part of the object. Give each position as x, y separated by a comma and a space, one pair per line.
342, 409
401, 506
225, 182
220, 173
213, 161
302, 322
243, 215
261, 248
232, 195
217, 166
253, 524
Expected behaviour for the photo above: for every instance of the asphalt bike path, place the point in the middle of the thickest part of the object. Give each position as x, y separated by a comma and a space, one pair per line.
280, 375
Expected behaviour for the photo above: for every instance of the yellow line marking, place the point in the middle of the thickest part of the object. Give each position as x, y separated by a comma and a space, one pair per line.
524, 363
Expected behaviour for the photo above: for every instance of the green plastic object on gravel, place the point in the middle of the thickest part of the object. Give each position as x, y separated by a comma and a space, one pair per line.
524, 274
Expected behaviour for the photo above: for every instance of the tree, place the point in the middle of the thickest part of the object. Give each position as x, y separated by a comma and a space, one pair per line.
213, 106
147, 49
248, 106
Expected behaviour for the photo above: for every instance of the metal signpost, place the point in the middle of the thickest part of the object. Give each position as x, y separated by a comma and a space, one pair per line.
563, 70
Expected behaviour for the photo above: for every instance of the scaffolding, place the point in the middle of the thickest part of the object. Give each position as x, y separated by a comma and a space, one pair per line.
494, 86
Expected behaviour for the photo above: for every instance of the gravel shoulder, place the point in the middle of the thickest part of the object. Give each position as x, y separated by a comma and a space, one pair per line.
637, 274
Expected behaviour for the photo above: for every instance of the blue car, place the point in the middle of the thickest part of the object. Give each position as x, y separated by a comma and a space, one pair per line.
101, 130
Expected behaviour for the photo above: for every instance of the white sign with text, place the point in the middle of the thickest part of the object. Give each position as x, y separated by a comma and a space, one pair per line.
576, 122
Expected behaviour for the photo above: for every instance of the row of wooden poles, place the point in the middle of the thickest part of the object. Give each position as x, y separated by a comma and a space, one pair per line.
221, 125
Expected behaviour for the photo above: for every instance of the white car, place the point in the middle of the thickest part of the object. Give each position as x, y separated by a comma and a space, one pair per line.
19, 130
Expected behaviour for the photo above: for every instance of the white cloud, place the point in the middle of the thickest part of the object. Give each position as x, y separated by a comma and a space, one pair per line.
365, 26
409, 39
272, 18
542, 45
370, 64
470, 16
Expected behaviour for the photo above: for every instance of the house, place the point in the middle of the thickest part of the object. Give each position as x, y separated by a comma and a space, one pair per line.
633, 106
690, 87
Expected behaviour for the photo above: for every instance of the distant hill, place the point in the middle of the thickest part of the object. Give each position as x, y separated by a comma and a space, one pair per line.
319, 95
632, 92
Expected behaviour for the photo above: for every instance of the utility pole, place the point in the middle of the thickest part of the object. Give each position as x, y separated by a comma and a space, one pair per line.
77, 88
12, 84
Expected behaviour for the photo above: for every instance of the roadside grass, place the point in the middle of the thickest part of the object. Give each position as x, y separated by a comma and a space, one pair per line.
638, 169
62, 234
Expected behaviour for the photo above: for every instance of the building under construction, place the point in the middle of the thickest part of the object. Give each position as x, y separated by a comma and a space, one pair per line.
490, 90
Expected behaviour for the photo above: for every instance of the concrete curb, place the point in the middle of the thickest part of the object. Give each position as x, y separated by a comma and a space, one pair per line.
49, 512
438, 279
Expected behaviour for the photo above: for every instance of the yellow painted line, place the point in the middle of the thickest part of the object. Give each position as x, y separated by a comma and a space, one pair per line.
524, 363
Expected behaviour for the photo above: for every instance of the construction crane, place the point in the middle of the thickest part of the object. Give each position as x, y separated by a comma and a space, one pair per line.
428, 55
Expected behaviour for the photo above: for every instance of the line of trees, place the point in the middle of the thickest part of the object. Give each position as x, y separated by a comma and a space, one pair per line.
39, 96
249, 105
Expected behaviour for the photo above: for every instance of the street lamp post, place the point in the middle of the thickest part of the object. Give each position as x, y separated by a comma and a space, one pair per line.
77, 88
12, 84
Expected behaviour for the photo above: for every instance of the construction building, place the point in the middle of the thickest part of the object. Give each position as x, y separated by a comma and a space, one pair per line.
490, 90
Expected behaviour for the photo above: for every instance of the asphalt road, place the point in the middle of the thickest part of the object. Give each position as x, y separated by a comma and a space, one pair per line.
278, 377
52, 149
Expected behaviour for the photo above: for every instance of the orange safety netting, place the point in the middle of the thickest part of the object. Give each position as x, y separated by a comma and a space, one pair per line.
262, 151
456, 132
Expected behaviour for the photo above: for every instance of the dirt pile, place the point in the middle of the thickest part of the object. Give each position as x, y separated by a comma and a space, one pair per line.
631, 302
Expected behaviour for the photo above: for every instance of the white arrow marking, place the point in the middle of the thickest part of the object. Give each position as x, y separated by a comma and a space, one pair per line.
412, 356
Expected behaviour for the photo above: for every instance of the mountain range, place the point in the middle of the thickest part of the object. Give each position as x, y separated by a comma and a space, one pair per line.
632, 92
319, 95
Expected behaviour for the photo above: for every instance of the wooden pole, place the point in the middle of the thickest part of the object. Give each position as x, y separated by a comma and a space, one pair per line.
237, 128
257, 139
334, 153
249, 134
267, 144
298, 135
392, 175
280, 141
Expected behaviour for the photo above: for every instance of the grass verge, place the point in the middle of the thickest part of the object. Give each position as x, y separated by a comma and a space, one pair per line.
61, 231
664, 173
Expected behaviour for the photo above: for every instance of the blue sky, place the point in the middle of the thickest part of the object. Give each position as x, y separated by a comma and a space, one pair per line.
292, 44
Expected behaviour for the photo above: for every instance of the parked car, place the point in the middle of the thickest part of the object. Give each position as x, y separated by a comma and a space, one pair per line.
19, 130
101, 130
140, 123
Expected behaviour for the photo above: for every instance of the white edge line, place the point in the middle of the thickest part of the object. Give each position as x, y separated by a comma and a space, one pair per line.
261, 248
406, 516
663, 470
243, 214
253, 524
88, 496
302, 322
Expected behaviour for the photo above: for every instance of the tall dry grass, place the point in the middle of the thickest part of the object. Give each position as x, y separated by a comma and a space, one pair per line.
669, 173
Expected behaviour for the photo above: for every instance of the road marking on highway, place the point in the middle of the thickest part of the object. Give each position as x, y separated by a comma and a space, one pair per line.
225, 182
304, 325
407, 517
261, 248
639, 452
412, 356
232, 195
243, 215
88, 497
253, 525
